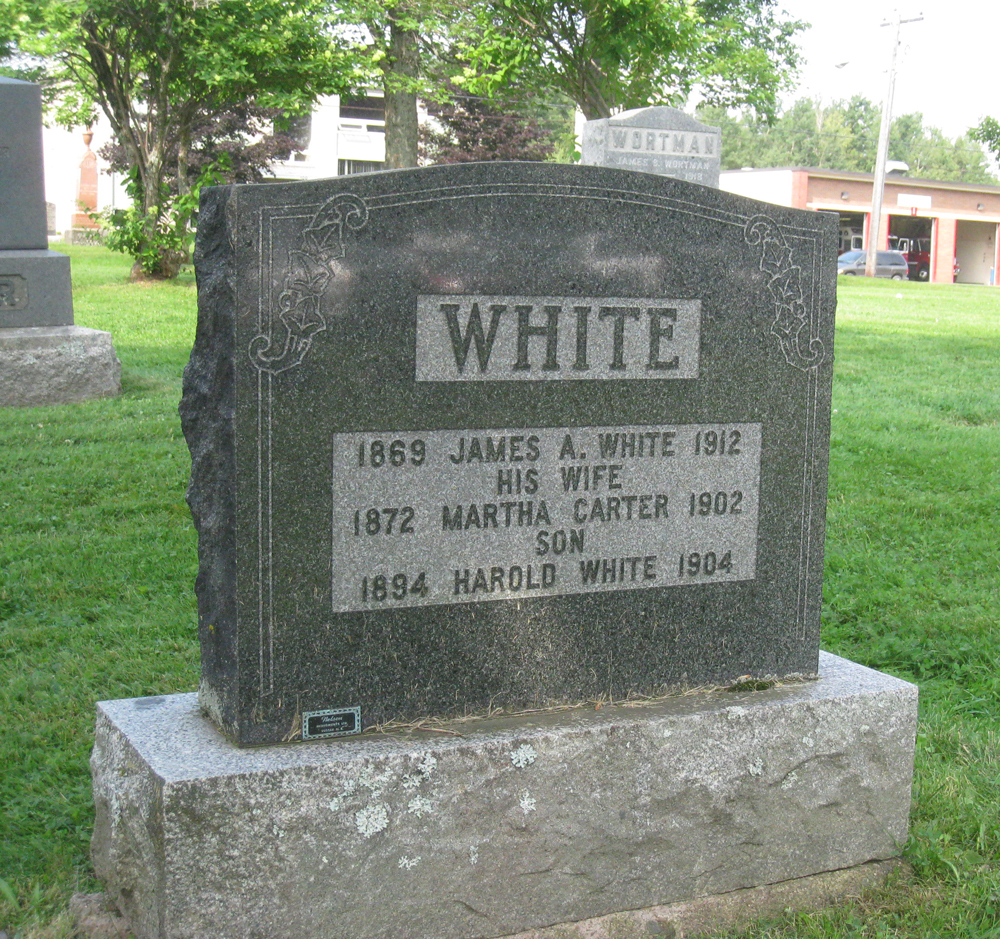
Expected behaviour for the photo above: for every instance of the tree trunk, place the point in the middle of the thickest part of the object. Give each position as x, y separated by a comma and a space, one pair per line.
399, 80
589, 96
183, 152
157, 258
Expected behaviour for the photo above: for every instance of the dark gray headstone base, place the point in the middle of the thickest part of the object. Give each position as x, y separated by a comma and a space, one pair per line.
57, 365
35, 289
500, 826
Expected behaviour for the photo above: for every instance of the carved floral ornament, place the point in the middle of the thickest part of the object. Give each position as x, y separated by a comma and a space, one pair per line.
792, 325
307, 278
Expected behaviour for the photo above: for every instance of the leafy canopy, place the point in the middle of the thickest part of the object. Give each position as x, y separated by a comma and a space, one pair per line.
154, 68
611, 54
843, 135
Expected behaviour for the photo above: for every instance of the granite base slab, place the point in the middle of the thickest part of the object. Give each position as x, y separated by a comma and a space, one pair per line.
56, 365
498, 826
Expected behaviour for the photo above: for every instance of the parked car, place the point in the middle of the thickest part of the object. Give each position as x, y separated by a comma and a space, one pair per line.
888, 264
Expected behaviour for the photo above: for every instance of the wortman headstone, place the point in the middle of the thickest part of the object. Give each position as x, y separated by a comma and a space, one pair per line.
44, 358
500, 436
503, 437
659, 140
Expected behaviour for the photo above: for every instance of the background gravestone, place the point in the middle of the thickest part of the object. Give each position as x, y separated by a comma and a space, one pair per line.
44, 358
34, 282
503, 436
657, 140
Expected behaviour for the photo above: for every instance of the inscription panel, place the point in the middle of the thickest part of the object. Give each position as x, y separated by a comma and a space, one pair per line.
459, 516
13, 292
657, 140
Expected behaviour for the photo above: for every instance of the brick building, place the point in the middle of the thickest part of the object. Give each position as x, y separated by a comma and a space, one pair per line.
949, 222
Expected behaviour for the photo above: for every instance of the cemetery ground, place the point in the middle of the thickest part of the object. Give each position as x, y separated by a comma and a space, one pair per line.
97, 565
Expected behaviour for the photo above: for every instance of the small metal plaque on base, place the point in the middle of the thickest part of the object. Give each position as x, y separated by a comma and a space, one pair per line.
334, 722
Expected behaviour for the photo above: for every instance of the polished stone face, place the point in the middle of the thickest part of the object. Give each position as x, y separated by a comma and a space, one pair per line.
502, 435
22, 215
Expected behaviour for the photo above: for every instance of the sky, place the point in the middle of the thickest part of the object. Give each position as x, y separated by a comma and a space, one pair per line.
946, 67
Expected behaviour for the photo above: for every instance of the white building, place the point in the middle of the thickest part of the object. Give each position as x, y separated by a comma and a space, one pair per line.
341, 136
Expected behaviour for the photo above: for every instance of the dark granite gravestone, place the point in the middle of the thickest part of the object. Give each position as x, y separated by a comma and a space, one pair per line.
34, 282
502, 435
658, 140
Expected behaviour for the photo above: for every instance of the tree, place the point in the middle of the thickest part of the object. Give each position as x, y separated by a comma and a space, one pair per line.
844, 136
408, 54
987, 133
612, 54
243, 141
155, 68
476, 129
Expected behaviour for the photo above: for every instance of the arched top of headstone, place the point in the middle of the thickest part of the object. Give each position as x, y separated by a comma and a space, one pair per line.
661, 117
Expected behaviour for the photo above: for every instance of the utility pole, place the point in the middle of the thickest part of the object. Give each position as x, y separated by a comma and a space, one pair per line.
878, 186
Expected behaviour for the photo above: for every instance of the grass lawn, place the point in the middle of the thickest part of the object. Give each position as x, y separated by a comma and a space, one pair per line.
97, 565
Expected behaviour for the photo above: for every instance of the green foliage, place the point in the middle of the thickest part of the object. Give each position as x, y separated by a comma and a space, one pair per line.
158, 244
987, 132
155, 68
612, 54
409, 52
844, 136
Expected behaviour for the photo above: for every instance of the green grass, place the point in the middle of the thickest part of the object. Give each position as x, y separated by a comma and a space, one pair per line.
97, 564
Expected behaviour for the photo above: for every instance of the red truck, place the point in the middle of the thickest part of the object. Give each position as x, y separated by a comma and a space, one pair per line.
918, 256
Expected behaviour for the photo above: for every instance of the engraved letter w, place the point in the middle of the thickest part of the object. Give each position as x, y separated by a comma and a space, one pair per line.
460, 344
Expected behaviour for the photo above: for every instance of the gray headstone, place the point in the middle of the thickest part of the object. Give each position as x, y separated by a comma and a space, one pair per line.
502, 435
659, 140
22, 211
34, 282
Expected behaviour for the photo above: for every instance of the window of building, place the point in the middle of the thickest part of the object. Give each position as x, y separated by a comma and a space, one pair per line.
347, 167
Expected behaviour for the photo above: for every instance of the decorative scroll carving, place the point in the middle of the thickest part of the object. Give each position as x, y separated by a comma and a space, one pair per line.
308, 275
792, 325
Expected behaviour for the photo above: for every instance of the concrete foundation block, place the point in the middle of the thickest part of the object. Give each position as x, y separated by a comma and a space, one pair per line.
56, 365
495, 827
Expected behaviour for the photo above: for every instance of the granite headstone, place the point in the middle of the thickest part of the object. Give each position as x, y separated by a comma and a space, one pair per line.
34, 282
659, 140
502, 436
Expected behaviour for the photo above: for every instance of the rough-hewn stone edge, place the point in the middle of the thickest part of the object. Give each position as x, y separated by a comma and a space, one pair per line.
94, 915
48, 365
121, 852
207, 411
724, 911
